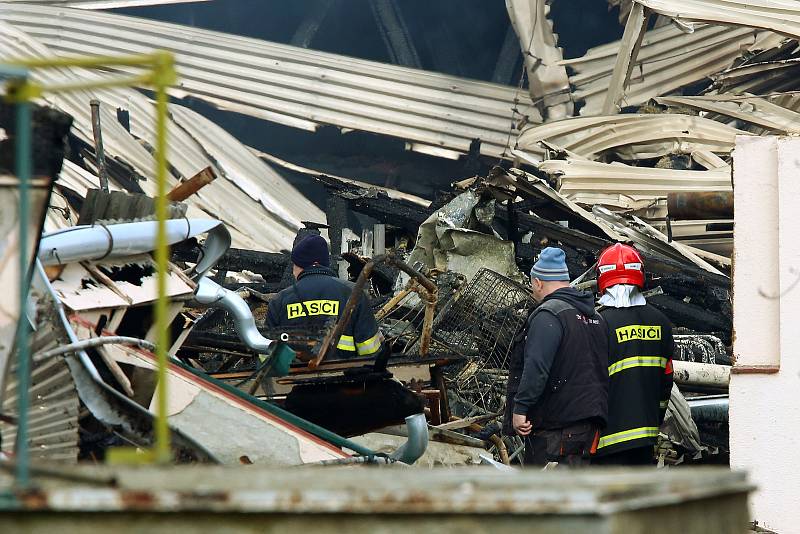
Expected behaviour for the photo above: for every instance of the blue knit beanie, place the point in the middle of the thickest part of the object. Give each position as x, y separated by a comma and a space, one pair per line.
310, 250
551, 266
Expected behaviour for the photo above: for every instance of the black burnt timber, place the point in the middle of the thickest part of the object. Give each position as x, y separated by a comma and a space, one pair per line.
709, 308
693, 316
49, 129
270, 265
377, 204
120, 172
336, 213
209, 341
706, 291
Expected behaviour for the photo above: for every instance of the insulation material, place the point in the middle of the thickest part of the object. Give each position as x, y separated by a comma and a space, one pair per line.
458, 237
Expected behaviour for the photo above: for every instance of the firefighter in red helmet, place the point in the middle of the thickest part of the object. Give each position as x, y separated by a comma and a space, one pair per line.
639, 361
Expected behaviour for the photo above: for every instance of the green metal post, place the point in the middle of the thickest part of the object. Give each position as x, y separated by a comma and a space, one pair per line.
23, 163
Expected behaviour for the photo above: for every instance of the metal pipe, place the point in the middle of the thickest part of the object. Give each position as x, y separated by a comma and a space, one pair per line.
700, 205
98, 145
24, 163
92, 343
701, 374
82, 243
711, 408
211, 294
417, 442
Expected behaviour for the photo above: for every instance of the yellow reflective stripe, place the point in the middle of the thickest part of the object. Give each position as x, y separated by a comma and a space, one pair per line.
637, 361
370, 346
628, 435
663, 404
346, 343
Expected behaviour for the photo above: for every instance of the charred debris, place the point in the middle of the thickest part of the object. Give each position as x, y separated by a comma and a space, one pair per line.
629, 142
445, 280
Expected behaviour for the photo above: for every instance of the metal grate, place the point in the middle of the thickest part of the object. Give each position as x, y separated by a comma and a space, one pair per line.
480, 322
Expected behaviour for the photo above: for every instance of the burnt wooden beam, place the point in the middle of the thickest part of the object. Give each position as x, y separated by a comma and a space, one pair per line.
49, 129
270, 265
377, 204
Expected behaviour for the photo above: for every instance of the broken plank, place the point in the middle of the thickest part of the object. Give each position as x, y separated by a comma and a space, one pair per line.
270, 265
467, 422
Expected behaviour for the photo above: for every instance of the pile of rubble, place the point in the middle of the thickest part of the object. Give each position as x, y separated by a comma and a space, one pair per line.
630, 142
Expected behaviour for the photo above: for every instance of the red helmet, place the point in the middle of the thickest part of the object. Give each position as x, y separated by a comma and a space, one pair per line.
619, 264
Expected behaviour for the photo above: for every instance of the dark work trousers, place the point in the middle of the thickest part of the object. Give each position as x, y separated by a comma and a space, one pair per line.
635, 456
571, 446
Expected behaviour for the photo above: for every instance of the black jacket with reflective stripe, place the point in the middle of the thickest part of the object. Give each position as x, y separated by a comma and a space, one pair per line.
640, 377
318, 299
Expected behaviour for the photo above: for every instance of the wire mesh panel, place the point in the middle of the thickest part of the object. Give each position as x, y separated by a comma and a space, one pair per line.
480, 323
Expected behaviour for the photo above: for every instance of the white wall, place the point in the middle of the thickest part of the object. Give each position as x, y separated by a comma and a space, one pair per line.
765, 382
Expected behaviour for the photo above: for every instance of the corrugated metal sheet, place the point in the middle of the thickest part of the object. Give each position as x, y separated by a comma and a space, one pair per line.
757, 112
762, 77
295, 86
630, 136
102, 4
54, 403
668, 59
547, 78
262, 210
782, 16
576, 176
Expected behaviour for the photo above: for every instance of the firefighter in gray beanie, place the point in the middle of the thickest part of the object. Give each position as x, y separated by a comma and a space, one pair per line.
557, 398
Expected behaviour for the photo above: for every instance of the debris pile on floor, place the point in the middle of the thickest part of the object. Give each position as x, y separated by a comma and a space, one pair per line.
630, 142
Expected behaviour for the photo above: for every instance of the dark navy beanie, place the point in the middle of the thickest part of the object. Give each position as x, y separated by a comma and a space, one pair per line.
310, 250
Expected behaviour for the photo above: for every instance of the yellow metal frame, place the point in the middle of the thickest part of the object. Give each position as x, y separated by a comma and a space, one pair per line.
159, 73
